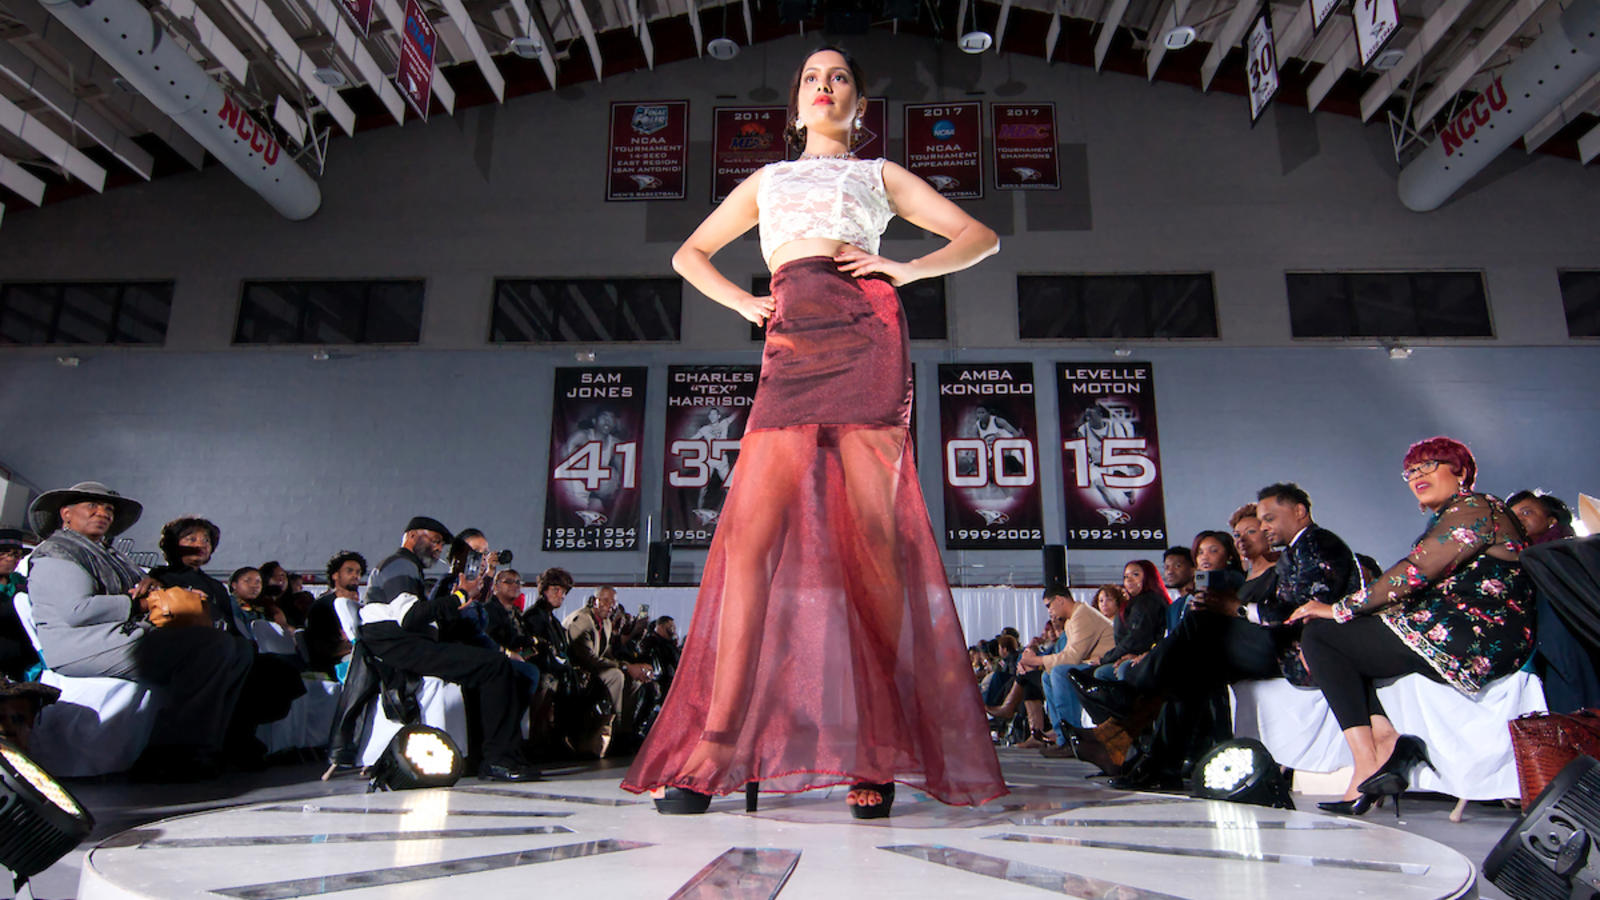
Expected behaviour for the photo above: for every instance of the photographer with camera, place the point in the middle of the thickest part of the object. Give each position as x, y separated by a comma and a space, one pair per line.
402, 630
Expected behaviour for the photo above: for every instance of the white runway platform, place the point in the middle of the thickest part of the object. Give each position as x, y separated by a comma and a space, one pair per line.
1057, 834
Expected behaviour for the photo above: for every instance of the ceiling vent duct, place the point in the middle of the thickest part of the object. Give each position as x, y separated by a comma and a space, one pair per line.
124, 35
1535, 83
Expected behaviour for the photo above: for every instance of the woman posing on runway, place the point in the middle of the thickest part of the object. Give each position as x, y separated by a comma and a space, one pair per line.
825, 648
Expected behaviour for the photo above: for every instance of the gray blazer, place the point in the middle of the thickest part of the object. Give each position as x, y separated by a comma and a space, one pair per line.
75, 624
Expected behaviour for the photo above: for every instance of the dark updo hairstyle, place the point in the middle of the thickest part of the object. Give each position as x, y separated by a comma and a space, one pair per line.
1554, 507
1449, 451
177, 529
795, 136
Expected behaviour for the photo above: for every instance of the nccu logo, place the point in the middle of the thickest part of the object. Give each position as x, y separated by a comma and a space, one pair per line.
258, 139
649, 119
591, 518
944, 129
1475, 116
1115, 516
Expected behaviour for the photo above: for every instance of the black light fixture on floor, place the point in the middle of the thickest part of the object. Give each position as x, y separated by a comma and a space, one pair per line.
40, 822
417, 757
1549, 852
1241, 771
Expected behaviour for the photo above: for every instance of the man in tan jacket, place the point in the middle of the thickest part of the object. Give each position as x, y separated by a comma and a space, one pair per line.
1085, 637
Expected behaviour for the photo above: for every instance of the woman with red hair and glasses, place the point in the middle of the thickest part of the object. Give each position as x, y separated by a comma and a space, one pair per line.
1458, 609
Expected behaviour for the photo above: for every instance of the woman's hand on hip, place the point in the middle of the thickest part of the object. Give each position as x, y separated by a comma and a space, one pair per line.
756, 309
859, 262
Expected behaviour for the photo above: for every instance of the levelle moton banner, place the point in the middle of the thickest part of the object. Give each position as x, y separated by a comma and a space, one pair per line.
1110, 460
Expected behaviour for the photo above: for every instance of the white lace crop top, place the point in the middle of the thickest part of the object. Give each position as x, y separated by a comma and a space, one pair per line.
842, 199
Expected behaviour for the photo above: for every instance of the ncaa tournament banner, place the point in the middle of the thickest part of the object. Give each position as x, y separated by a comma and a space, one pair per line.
987, 431
648, 154
418, 46
592, 499
706, 410
1110, 461
744, 139
1024, 146
942, 147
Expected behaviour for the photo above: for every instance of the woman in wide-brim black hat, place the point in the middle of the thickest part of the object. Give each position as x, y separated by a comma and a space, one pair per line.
45, 513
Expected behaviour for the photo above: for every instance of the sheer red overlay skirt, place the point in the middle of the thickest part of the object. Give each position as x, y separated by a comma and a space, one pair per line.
825, 648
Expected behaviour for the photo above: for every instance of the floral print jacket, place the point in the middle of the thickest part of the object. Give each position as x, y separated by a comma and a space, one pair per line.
1461, 598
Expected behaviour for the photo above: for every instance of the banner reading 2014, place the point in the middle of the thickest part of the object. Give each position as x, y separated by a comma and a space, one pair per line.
987, 428
592, 500
706, 411
1110, 461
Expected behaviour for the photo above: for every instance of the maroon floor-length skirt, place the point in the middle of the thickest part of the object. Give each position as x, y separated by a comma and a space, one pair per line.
825, 648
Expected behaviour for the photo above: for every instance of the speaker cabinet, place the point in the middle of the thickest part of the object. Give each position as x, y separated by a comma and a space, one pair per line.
658, 571
1055, 565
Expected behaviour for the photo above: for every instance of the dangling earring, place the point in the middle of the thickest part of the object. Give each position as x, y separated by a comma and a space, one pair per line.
858, 123
799, 125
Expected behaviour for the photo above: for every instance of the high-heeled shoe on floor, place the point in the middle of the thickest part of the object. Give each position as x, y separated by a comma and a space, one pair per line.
1357, 807
1394, 776
879, 810
682, 802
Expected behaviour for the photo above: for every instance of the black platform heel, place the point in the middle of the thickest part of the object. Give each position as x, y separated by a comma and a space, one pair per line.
751, 793
682, 802
1394, 776
878, 810
1360, 806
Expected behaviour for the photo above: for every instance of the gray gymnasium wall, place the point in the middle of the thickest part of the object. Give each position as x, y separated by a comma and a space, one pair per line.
296, 458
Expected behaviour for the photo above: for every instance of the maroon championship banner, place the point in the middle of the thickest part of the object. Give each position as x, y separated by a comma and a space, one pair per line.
943, 147
987, 431
1024, 146
359, 12
417, 48
744, 138
1110, 462
592, 500
648, 156
873, 137
706, 410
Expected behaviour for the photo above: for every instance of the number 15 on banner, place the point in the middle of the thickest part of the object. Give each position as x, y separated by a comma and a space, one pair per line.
1117, 469
591, 464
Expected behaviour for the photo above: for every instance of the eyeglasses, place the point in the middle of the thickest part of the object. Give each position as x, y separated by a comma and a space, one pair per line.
1409, 473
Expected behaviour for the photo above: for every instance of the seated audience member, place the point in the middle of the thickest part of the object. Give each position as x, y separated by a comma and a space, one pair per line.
470, 625
1544, 517
1144, 617
400, 627
1177, 573
1256, 555
1457, 609
87, 608
187, 544
1086, 635
328, 648
20, 702
250, 605
593, 645
275, 592
17, 655
502, 622
659, 647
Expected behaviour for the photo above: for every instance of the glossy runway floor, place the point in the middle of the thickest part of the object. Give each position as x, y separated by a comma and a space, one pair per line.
1057, 833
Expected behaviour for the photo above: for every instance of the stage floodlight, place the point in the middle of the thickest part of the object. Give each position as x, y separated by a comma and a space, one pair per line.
1549, 851
417, 757
40, 822
1241, 771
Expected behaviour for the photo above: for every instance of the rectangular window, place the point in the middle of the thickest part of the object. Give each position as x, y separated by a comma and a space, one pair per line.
330, 312
85, 312
586, 310
1061, 307
1580, 296
922, 300
1388, 304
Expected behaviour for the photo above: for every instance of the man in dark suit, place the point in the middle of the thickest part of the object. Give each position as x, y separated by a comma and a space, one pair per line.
1222, 641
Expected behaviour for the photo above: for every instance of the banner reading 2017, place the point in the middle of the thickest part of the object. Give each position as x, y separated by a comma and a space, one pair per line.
592, 500
987, 428
706, 411
1110, 461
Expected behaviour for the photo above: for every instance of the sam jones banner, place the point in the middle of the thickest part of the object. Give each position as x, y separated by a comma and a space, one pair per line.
1110, 460
592, 498
706, 410
987, 431
648, 157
